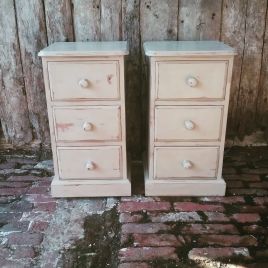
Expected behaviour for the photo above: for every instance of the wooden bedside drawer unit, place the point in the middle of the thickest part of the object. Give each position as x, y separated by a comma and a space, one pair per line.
188, 107
86, 108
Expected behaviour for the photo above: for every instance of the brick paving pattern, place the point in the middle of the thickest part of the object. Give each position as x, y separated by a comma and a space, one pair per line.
155, 231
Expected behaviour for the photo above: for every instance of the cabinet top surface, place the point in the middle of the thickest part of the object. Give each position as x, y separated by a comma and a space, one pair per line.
107, 48
181, 48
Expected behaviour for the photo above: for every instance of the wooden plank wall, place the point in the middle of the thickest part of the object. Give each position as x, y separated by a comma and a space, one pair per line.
26, 26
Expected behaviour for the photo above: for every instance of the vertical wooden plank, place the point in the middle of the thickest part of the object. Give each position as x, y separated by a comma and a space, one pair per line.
32, 38
158, 21
111, 20
233, 34
13, 105
250, 76
86, 17
59, 20
199, 19
131, 33
262, 101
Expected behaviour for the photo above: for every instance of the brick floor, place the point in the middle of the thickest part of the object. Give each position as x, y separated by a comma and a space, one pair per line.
155, 231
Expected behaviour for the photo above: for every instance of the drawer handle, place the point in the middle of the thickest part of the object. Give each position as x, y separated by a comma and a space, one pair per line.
191, 81
87, 126
187, 164
189, 124
83, 83
90, 165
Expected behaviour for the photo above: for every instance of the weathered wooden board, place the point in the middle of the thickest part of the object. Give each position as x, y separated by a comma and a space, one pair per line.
13, 105
59, 22
131, 33
250, 74
86, 19
32, 36
111, 20
199, 19
233, 34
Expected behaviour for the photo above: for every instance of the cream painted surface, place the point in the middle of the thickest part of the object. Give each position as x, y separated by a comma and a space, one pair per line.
90, 162
90, 123
185, 123
191, 79
84, 80
186, 162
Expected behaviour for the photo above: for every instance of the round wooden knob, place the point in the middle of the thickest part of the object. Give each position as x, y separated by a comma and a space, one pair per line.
191, 81
90, 165
187, 164
189, 125
87, 126
83, 83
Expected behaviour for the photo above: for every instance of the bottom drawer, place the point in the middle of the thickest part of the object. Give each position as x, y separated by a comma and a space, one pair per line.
89, 162
185, 162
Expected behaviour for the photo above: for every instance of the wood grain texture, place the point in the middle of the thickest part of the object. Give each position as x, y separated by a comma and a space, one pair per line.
111, 20
250, 74
131, 33
13, 105
86, 19
59, 22
233, 34
199, 19
32, 37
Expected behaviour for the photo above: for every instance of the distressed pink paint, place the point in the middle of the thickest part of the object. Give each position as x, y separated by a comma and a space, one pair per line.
64, 126
109, 78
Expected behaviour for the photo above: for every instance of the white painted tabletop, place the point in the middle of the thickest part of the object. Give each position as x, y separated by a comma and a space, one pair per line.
178, 48
106, 48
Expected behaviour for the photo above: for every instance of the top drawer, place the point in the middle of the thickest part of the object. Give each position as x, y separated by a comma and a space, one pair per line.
198, 80
84, 80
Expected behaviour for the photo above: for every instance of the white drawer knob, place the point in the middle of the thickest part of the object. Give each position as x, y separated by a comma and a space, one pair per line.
83, 83
90, 165
87, 126
191, 81
189, 124
187, 164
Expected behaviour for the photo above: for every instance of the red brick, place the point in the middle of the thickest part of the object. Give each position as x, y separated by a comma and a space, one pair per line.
242, 177
226, 253
223, 199
254, 229
144, 228
262, 254
216, 217
127, 217
40, 198
252, 209
235, 184
258, 171
38, 190
227, 240
246, 217
229, 170
49, 206
7, 165
30, 239
44, 183
140, 206
14, 184
147, 254
134, 265
176, 217
38, 226
7, 217
190, 206
156, 240
28, 178
22, 252
247, 191
261, 200
209, 229
139, 198
263, 184
12, 191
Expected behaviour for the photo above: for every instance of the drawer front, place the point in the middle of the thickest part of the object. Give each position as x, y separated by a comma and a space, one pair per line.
84, 80
89, 162
200, 80
185, 162
95, 123
175, 123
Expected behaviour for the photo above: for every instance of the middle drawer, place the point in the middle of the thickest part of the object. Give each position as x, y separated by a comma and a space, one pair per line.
94, 123
178, 123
